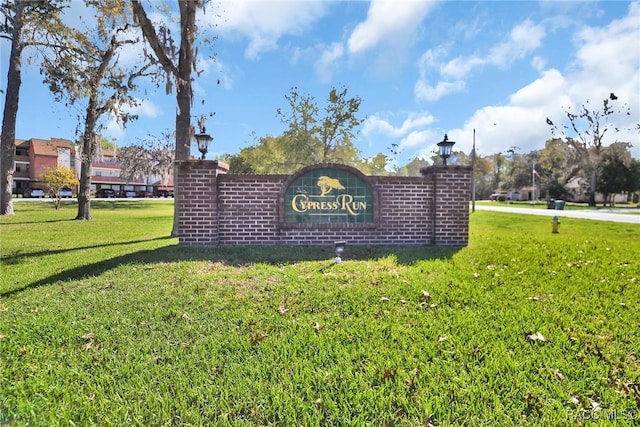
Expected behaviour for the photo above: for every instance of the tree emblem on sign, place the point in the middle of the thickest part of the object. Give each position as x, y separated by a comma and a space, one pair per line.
327, 184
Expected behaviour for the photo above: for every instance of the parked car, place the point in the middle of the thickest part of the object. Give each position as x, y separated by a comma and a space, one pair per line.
33, 192
164, 193
145, 194
105, 193
66, 192
128, 193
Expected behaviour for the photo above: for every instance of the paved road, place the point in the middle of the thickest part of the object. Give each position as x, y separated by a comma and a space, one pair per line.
633, 215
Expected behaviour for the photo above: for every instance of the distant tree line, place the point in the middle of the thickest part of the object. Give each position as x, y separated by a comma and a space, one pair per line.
316, 134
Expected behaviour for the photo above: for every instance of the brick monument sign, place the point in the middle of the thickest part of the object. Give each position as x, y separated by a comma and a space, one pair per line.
320, 204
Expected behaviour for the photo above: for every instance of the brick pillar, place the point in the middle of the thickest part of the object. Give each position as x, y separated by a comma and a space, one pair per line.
451, 192
197, 201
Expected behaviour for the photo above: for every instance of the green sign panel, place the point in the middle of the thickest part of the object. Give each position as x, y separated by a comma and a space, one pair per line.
328, 195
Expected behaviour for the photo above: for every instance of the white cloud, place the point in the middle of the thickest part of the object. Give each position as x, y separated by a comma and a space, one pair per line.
376, 124
265, 22
413, 133
538, 63
460, 67
387, 22
608, 58
426, 92
326, 64
419, 139
542, 91
523, 39
521, 122
423, 89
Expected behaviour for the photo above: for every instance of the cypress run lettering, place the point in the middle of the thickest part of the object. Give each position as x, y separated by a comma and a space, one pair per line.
343, 204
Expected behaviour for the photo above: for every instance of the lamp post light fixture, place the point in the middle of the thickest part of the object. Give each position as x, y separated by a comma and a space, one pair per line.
203, 138
339, 250
445, 147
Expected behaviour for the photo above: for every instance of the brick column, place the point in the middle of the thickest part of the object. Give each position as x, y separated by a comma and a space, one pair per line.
197, 201
450, 210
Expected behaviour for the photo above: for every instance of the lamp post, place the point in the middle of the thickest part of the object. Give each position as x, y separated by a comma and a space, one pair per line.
445, 147
203, 138
339, 250
473, 174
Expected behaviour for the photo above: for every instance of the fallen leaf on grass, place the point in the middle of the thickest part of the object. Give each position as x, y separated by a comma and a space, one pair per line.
257, 338
623, 387
428, 422
425, 296
558, 374
384, 299
317, 327
90, 345
537, 337
186, 316
424, 304
318, 403
388, 374
282, 309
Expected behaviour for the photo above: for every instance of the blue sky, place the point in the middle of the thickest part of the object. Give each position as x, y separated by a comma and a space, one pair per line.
422, 68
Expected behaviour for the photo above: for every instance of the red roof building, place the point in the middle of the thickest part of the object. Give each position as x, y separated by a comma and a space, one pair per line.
34, 156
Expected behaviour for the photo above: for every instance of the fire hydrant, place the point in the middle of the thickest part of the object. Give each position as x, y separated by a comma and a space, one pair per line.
555, 223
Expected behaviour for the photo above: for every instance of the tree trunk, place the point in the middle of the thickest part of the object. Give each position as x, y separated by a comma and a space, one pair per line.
592, 188
8, 137
88, 142
182, 75
183, 97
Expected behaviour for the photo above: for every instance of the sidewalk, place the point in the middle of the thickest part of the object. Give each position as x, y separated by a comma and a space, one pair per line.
632, 217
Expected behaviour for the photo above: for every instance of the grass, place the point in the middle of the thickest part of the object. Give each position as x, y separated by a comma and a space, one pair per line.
109, 322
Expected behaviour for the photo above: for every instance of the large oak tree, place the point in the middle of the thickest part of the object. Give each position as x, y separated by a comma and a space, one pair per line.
178, 71
26, 23
90, 73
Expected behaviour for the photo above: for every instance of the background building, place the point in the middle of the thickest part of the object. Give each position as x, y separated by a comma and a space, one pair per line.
34, 156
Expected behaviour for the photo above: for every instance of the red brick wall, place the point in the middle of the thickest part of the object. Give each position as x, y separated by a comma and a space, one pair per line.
220, 209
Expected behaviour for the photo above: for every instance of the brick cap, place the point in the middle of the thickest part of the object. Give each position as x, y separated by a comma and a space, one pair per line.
213, 164
441, 168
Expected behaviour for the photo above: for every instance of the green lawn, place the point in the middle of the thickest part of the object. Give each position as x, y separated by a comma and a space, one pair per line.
109, 322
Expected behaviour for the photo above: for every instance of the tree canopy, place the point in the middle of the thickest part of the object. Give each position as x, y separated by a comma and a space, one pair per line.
313, 135
58, 178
